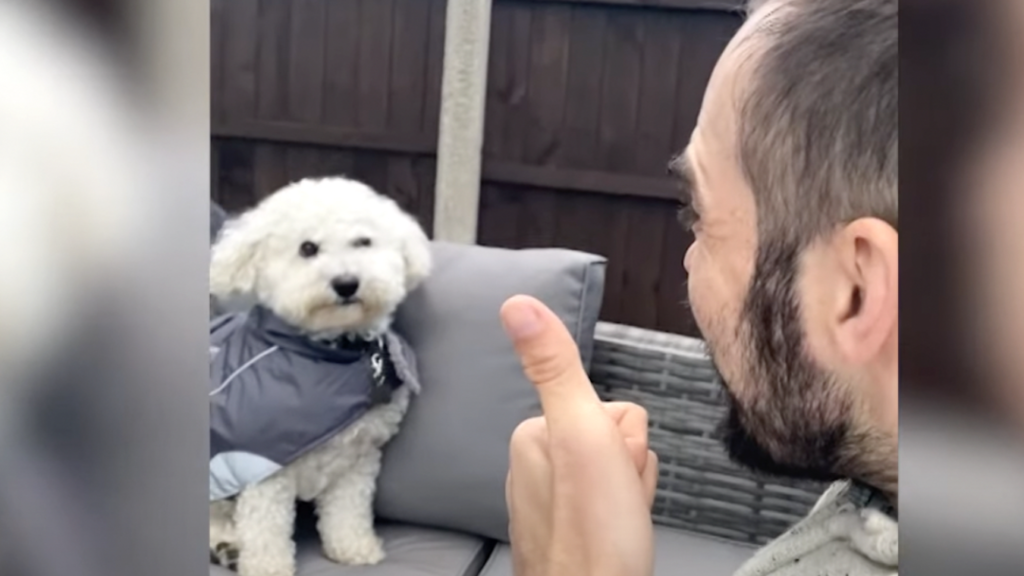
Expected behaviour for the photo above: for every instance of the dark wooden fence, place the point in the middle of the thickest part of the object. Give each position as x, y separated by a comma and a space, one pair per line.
586, 102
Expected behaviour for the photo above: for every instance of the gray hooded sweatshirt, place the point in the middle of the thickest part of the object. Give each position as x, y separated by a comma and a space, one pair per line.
852, 531
276, 394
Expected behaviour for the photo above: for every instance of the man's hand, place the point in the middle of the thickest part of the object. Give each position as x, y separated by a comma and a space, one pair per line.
581, 478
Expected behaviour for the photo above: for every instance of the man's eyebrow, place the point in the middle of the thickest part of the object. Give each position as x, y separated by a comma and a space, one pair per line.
681, 168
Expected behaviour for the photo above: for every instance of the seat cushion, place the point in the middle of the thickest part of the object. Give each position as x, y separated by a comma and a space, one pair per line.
446, 467
675, 552
411, 551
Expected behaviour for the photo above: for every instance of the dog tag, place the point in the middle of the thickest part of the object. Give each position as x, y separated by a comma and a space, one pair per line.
381, 393
377, 367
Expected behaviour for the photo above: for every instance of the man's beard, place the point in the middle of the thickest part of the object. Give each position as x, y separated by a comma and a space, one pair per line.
796, 420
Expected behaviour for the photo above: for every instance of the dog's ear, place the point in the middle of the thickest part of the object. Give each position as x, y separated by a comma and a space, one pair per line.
233, 261
416, 252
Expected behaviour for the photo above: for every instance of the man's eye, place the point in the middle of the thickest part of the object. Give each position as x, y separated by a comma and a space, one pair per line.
687, 216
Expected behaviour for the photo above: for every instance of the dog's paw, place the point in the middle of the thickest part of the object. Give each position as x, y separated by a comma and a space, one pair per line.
356, 552
266, 565
225, 554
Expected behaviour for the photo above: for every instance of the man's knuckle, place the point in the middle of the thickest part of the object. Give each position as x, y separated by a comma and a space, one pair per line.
527, 431
546, 367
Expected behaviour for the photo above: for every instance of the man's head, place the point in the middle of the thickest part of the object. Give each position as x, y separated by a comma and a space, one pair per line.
791, 174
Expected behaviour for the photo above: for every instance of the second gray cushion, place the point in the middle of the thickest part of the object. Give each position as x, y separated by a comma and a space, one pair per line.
447, 466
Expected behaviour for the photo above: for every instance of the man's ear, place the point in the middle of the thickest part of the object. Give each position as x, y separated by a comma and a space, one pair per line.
416, 253
233, 262
869, 310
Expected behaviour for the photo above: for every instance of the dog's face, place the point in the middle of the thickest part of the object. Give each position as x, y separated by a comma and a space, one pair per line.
328, 256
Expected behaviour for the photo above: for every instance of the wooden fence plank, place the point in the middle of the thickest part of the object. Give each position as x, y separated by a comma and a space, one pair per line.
234, 172
408, 66
402, 185
583, 88
374, 64
306, 60
653, 143
218, 21
425, 168
435, 61
272, 74
644, 244
620, 97
645, 279
499, 216
518, 120
576, 221
341, 63
372, 169
549, 61
270, 169
339, 162
619, 100
309, 162
239, 59
610, 219
300, 162
499, 82
538, 218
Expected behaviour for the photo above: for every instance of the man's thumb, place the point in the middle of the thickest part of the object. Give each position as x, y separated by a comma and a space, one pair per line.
550, 357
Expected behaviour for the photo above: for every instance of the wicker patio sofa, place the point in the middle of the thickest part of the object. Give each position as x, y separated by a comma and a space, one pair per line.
450, 519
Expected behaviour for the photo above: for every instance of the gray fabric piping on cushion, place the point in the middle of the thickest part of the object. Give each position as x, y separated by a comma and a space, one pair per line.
591, 297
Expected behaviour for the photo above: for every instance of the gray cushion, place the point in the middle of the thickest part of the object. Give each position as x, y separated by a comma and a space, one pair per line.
446, 467
411, 551
675, 552
217, 218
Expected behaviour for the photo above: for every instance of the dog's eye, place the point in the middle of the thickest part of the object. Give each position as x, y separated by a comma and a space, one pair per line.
362, 242
308, 249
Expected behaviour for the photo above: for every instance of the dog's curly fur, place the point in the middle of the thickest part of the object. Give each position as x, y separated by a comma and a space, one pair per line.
357, 233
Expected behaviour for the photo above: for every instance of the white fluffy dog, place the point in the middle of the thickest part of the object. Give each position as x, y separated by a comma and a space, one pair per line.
332, 258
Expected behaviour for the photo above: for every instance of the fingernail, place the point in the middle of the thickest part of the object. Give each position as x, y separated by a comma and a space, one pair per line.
521, 320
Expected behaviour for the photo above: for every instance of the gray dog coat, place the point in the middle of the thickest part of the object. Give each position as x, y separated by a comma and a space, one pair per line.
276, 394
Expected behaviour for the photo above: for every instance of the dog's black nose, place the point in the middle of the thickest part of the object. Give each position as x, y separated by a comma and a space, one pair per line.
345, 286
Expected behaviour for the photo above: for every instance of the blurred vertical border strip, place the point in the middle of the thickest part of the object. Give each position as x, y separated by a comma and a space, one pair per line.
104, 195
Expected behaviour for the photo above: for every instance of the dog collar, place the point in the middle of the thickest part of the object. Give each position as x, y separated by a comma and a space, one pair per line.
385, 376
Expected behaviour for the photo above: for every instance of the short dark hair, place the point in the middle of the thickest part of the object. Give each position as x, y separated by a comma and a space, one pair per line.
818, 145
818, 127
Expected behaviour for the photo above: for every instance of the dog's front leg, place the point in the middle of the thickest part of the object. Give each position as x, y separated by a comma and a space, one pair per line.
346, 515
223, 542
264, 521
